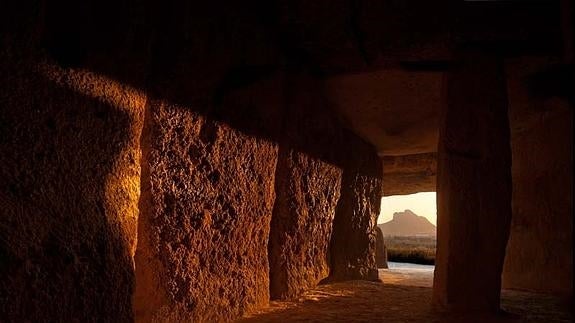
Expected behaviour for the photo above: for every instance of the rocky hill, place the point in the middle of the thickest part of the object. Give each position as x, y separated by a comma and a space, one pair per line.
407, 223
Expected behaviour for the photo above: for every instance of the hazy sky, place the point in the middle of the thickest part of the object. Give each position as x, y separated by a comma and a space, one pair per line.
420, 203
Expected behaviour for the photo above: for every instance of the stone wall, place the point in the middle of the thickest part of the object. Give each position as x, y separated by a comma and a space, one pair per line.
202, 251
409, 174
145, 160
308, 187
473, 186
70, 167
539, 253
353, 240
209, 167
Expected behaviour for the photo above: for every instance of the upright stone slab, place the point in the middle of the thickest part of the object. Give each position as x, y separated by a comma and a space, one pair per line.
540, 249
209, 165
353, 239
204, 223
473, 186
307, 190
380, 249
70, 124
307, 194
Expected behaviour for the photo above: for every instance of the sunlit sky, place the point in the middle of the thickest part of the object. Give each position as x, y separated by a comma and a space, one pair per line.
420, 203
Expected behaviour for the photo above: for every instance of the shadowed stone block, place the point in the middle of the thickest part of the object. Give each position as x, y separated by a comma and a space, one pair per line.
353, 239
380, 249
540, 249
307, 190
473, 186
204, 222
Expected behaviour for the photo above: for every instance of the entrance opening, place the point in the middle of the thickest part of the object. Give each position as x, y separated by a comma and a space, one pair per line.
408, 224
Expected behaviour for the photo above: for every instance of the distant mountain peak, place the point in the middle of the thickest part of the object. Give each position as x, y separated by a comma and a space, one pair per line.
407, 223
406, 213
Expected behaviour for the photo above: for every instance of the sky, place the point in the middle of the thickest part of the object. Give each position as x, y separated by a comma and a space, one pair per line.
420, 203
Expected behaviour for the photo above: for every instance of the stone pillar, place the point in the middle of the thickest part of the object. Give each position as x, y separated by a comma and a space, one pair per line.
473, 186
307, 186
207, 199
380, 249
353, 239
540, 249
307, 192
208, 167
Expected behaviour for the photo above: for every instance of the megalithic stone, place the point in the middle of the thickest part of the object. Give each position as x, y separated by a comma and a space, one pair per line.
473, 185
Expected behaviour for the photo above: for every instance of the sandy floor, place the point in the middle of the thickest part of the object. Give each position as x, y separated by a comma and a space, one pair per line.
404, 296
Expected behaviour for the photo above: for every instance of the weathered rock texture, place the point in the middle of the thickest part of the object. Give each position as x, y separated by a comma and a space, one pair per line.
395, 110
380, 249
540, 249
474, 186
409, 174
209, 165
307, 194
69, 169
207, 82
202, 252
352, 248
307, 191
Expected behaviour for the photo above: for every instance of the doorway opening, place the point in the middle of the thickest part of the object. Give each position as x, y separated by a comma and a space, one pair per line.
408, 225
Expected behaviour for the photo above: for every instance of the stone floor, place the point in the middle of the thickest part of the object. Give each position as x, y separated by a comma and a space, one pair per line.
405, 296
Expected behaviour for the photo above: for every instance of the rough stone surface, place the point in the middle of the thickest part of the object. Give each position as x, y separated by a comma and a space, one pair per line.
68, 219
69, 169
202, 254
474, 187
395, 110
209, 164
352, 250
307, 191
380, 249
77, 78
307, 195
409, 174
540, 250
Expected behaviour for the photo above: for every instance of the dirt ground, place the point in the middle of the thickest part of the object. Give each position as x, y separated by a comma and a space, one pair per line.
404, 296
